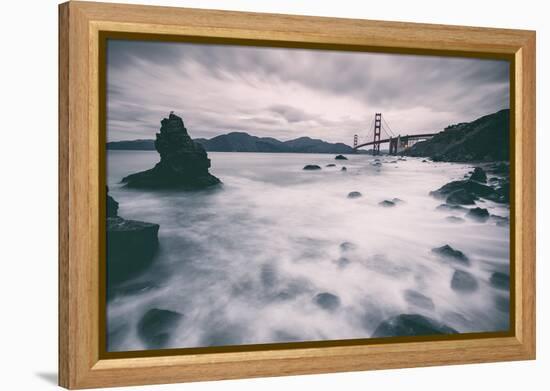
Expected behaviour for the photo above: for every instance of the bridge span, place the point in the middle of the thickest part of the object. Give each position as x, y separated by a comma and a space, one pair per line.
396, 143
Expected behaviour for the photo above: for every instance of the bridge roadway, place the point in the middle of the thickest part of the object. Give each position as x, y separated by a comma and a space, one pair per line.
403, 138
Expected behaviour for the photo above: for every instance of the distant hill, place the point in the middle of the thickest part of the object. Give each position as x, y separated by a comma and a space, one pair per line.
244, 142
485, 139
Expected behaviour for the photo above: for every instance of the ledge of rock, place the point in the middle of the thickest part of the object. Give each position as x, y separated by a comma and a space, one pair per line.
183, 163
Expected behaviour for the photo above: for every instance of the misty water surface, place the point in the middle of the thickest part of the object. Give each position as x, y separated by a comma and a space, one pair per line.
243, 263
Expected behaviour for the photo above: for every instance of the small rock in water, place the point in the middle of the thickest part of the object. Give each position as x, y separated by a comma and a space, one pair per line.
327, 301
449, 252
418, 299
454, 219
406, 325
156, 326
387, 204
312, 167
343, 261
446, 207
478, 214
331, 165
348, 246
479, 175
343, 169
354, 194
424, 161
500, 280
500, 221
340, 157
463, 281
460, 197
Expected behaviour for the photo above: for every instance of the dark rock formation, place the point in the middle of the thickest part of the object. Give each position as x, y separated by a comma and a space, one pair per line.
156, 327
311, 167
341, 157
331, 165
111, 206
449, 252
485, 139
500, 220
327, 301
406, 325
479, 175
500, 280
460, 197
502, 303
478, 214
463, 281
454, 219
354, 194
474, 188
343, 169
183, 163
131, 246
419, 300
387, 204
447, 207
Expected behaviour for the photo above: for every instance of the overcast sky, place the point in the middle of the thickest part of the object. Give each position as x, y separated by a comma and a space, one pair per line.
290, 93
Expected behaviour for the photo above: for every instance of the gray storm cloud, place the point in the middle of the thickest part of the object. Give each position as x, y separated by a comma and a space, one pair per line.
289, 93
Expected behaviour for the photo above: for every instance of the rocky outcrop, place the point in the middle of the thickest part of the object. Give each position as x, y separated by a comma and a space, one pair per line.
463, 281
480, 215
485, 139
406, 325
479, 175
448, 252
354, 194
327, 301
131, 245
183, 163
387, 204
500, 280
156, 326
341, 157
311, 167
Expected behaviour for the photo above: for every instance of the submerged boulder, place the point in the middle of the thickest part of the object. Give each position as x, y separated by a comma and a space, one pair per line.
450, 253
500, 280
418, 299
343, 169
387, 204
478, 214
479, 175
463, 281
354, 194
460, 197
406, 325
312, 167
156, 326
340, 157
327, 301
331, 165
454, 219
183, 163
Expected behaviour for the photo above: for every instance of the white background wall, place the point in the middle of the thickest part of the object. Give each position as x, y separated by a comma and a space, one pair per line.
28, 164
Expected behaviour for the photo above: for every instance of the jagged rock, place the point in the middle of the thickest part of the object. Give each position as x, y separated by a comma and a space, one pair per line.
327, 301
479, 175
449, 252
474, 188
454, 219
331, 165
131, 246
500, 280
156, 327
354, 194
340, 157
460, 197
406, 325
463, 281
478, 214
312, 167
387, 204
111, 206
183, 163
419, 300
343, 169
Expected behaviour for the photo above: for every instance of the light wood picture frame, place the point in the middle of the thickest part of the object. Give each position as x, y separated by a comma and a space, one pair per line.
83, 28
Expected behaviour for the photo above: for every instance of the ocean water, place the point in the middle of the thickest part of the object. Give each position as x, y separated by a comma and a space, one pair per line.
243, 263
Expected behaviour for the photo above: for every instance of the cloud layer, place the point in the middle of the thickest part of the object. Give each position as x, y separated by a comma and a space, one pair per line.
289, 93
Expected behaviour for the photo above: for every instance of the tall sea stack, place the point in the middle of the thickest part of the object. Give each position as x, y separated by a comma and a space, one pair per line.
183, 163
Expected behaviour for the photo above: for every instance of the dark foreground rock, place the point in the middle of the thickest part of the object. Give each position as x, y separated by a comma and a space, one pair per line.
183, 163
460, 197
327, 301
343, 169
131, 246
474, 188
387, 204
354, 194
479, 175
406, 325
480, 215
111, 206
340, 157
500, 280
418, 299
463, 281
312, 167
331, 165
156, 327
450, 253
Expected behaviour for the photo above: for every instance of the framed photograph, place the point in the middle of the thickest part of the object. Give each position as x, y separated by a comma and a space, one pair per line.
247, 195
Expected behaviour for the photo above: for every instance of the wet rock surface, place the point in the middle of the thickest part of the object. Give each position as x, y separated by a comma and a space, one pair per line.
340, 157
418, 299
463, 281
500, 280
480, 215
312, 167
156, 326
448, 252
354, 194
411, 325
387, 204
327, 301
183, 163
479, 175
454, 219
